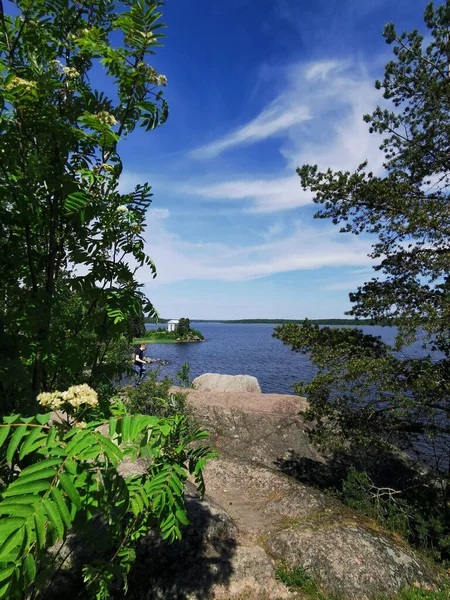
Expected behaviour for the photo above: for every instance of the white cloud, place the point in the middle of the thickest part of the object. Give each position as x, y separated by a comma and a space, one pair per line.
273, 231
266, 195
321, 69
333, 95
268, 123
159, 213
304, 249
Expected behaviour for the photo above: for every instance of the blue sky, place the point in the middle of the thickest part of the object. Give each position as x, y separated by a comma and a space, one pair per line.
256, 88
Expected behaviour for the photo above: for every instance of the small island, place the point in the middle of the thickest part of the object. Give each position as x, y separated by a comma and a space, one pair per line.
178, 331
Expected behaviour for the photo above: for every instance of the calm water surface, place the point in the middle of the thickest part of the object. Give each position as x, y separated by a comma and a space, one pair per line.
249, 349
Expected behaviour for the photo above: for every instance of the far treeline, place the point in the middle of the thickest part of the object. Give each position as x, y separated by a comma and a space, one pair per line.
281, 321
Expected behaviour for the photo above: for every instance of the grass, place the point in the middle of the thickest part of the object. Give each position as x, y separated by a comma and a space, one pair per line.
414, 593
162, 336
296, 579
155, 340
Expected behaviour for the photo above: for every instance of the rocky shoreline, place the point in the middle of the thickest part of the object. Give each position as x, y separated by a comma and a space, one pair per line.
259, 513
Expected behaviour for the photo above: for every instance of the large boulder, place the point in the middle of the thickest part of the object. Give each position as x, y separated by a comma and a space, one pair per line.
350, 556
215, 382
347, 554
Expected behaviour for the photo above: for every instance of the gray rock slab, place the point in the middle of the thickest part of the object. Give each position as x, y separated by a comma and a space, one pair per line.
215, 382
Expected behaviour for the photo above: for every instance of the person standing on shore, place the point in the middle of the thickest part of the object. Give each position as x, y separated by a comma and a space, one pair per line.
139, 362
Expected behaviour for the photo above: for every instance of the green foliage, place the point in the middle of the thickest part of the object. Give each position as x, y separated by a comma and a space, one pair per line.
183, 375
402, 209
419, 516
417, 593
70, 303
153, 397
59, 171
62, 476
297, 579
137, 326
195, 332
363, 392
183, 326
160, 335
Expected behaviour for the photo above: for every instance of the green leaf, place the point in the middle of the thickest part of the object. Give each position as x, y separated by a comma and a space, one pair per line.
111, 450
137, 424
70, 489
43, 419
54, 518
16, 509
9, 525
176, 485
28, 488
20, 432
25, 478
11, 419
165, 429
12, 542
7, 572
29, 568
61, 505
182, 517
43, 464
4, 589
112, 426
126, 422
75, 202
40, 529
4, 430
33, 441
78, 443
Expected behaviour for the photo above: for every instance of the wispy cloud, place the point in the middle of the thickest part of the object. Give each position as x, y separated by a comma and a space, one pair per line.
304, 249
266, 195
332, 96
323, 68
268, 123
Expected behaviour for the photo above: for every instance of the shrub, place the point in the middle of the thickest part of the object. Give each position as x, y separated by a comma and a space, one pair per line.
196, 332
153, 397
183, 375
417, 516
60, 476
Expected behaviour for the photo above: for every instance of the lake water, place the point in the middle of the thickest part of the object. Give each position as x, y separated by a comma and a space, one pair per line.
249, 349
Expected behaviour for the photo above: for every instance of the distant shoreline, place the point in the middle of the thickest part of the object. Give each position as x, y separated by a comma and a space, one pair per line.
278, 321
151, 341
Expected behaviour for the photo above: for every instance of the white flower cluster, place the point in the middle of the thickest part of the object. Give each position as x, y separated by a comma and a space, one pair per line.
106, 118
51, 400
122, 208
80, 394
70, 72
152, 75
76, 396
20, 82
